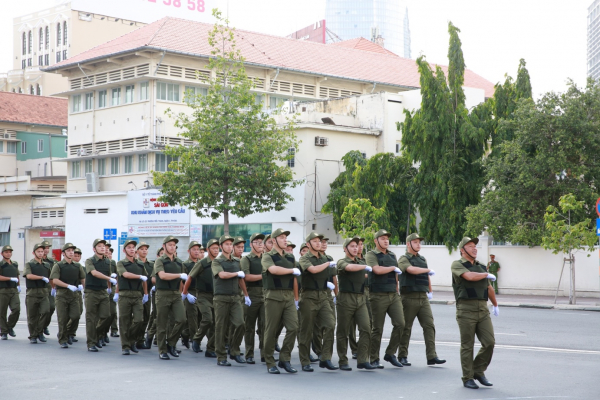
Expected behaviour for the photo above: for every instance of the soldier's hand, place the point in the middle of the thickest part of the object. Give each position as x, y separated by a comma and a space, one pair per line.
143, 278
429, 295
368, 269
153, 289
496, 310
113, 275
53, 292
45, 279
491, 277
296, 272
72, 288
241, 274
80, 288
144, 299
397, 270
15, 280
191, 298
113, 281
18, 289
182, 297
116, 297
332, 264
334, 300
330, 286
183, 277
247, 301
431, 272
296, 303
108, 290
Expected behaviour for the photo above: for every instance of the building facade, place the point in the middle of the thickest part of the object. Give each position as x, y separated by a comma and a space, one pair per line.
593, 40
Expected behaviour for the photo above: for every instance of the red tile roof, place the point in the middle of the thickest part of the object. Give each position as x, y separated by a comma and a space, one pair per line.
29, 109
363, 44
190, 37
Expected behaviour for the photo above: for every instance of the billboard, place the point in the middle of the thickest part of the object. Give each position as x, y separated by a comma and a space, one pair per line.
148, 11
147, 216
312, 33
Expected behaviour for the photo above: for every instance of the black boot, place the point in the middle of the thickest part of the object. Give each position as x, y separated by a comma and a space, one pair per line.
327, 364
392, 360
287, 367
404, 361
134, 348
470, 384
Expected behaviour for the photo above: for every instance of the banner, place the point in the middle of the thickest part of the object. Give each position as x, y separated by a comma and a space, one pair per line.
147, 216
159, 230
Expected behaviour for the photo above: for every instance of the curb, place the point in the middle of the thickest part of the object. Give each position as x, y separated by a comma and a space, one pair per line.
529, 305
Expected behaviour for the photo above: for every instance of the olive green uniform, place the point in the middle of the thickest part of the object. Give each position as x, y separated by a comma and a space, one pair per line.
255, 314
9, 296
317, 339
168, 303
493, 268
191, 311
114, 328
147, 307
131, 309
473, 318
49, 261
73, 325
36, 300
68, 308
414, 289
202, 273
316, 308
352, 308
97, 309
352, 336
227, 305
279, 306
385, 299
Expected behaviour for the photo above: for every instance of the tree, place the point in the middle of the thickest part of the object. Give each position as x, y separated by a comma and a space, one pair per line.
360, 219
237, 162
555, 151
561, 236
441, 138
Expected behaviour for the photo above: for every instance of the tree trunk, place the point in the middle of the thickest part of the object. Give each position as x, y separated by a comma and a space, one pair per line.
572, 293
226, 222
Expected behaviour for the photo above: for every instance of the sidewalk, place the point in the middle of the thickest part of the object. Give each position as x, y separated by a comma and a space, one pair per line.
513, 300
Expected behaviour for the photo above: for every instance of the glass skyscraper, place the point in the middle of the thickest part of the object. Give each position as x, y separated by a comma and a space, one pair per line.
382, 21
593, 40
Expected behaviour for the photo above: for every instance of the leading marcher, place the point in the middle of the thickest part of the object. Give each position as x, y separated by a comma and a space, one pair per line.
472, 289
37, 277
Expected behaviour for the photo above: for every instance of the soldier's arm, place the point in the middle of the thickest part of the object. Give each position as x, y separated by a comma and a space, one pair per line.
372, 261
217, 270
242, 285
269, 265
159, 270
27, 274
306, 265
492, 295
54, 275
405, 267
245, 265
296, 296
343, 265
459, 270
121, 271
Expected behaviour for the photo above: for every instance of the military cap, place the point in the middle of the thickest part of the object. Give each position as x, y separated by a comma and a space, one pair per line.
68, 246
256, 236
108, 244
211, 242
170, 239
142, 244
279, 232
225, 238
354, 239
98, 241
359, 239
492, 255
382, 232
111, 250
238, 240
37, 246
303, 245
158, 250
291, 244
7, 248
78, 250
414, 236
267, 237
466, 240
128, 242
46, 243
325, 238
194, 243
313, 235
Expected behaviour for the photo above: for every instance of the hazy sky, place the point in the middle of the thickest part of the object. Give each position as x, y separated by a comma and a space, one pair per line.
550, 34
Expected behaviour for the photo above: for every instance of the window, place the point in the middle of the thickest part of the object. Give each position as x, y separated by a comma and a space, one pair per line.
29, 62
89, 166
142, 162
128, 94
40, 60
22, 66
397, 148
243, 230
76, 169
275, 102
291, 162
144, 91
41, 46
58, 34
24, 43
23, 147
64, 55
192, 92
47, 59
40, 145
58, 56
65, 33
114, 165
116, 97
76, 103
101, 98
167, 91
47, 41
38, 89
11, 147
31, 89
66, 143
30, 44
89, 101
128, 167
1, 146
102, 167
163, 161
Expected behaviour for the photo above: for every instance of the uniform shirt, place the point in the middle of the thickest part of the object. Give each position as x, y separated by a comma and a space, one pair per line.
27, 271
159, 264
89, 264
267, 262
371, 257
493, 267
55, 273
216, 266
11, 290
245, 262
458, 268
121, 270
343, 263
198, 269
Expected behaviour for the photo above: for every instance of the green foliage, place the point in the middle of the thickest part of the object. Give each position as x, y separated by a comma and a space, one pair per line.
448, 147
561, 236
237, 163
360, 219
555, 151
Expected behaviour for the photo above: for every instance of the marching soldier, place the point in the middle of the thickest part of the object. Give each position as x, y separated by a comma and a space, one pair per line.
169, 273
251, 265
37, 276
385, 298
268, 243
142, 257
191, 311
9, 293
352, 337
281, 301
415, 288
97, 283
314, 303
72, 325
472, 289
202, 273
49, 261
151, 333
114, 297
493, 268
68, 277
235, 340
317, 340
131, 280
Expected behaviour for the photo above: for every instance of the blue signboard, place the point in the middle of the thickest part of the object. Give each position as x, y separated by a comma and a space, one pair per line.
597, 226
110, 234
122, 240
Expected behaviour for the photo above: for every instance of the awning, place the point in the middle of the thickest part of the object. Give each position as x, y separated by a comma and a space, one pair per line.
4, 225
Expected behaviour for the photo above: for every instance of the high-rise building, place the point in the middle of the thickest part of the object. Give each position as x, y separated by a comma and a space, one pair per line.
593, 40
382, 21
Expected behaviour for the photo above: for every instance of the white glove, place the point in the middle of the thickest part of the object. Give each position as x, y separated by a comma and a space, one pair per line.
113, 281
15, 280
368, 269
143, 278
296, 303
82, 296
191, 298
296, 272
183, 277
72, 288
334, 300
182, 297
431, 273
495, 310
429, 295
113, 275
18, 289
397, 270
241, 274
153, 289
108, 290
491, 277
144, 299
330, 286
332, 264
45, 279
80, 288
247, 301
53, 292
116, 297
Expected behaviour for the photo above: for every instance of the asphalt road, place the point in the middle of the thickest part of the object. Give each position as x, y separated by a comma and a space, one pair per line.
540, 354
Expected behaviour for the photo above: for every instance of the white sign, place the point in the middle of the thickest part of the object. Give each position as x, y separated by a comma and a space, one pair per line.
159, 230
148, 11
196, 232
143, 208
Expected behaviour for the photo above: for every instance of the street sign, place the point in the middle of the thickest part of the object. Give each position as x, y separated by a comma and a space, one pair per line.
597, 226
122, 240
124, 234
110, 234
598, 207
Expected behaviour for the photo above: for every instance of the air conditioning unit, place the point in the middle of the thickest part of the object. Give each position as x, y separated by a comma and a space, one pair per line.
81, 152
92, 181
321, 141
